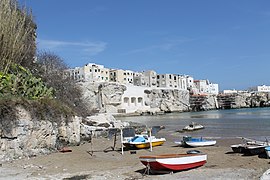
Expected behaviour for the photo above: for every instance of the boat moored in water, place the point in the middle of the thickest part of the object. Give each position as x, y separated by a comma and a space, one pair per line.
193, 126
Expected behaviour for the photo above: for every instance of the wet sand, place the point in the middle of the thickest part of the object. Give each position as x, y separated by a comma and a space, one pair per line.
90, 161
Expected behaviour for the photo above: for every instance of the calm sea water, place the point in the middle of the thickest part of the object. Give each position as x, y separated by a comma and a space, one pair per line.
249, 122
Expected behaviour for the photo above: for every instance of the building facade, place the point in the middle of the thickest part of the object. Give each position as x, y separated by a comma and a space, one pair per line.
121, 76
90, 72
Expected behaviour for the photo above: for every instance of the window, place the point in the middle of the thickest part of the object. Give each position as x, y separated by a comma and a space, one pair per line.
133, 100
140, 101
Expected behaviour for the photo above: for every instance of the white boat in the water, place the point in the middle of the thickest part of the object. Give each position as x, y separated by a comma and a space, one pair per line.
193, 126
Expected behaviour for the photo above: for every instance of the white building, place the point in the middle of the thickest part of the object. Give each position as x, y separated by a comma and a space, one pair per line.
182, 82
90, 72
145, 78
190, 82
133, 100
205, 87
262, 88
121, 76
167, 81
228, 91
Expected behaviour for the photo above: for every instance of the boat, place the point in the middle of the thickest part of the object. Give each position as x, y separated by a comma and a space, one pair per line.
254, 149
173, 162
143, 142
238, 148
197, 142
250, 147
267, 150
193, 126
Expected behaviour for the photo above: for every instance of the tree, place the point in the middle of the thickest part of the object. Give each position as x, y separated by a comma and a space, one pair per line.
17, 35
52, 71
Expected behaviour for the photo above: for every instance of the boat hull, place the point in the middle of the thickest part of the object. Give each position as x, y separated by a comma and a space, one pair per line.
200, 143
256, 150
143, 145
248, 149
147, 145
174, 162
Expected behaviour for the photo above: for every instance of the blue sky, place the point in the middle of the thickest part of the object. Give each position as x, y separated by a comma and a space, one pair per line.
225, 41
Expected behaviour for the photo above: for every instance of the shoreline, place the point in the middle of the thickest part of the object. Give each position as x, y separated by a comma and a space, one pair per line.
90, 161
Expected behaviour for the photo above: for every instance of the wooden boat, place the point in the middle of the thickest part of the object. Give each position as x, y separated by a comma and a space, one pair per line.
173, 162
193, 126
197, 142
143, 141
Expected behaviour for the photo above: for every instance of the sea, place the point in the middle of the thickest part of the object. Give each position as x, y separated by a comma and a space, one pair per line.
253, 123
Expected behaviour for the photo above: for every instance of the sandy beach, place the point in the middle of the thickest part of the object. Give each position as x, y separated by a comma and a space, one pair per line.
90, 161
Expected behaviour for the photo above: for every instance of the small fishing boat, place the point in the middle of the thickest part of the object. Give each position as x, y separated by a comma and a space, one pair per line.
193, 126
250, 147
173, 162
197, 142
238, 148
143, 141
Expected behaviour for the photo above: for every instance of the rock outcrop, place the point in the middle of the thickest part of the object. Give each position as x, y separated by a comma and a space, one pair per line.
102, 97
26, 137
29, 137
167, 100
108, 98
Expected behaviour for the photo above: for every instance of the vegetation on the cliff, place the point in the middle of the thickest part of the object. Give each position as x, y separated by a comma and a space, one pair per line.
17, 35
35, 82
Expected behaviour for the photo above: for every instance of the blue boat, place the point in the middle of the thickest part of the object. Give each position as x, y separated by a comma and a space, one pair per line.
267, 150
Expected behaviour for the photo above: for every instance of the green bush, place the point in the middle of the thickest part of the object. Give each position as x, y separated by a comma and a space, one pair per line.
20, 82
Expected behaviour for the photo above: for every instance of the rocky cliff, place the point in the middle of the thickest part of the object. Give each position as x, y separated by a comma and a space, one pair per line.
243, 100
167, 100
27, 137
102, 97
108, 98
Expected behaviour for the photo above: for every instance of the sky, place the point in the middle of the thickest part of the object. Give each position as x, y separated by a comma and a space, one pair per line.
224, 41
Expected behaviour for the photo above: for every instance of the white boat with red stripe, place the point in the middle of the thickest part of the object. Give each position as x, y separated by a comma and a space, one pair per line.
173, 162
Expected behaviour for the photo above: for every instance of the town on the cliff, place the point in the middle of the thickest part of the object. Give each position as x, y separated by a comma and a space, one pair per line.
141, 89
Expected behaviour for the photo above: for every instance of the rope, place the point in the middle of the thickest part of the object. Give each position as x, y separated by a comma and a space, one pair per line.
147, 169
